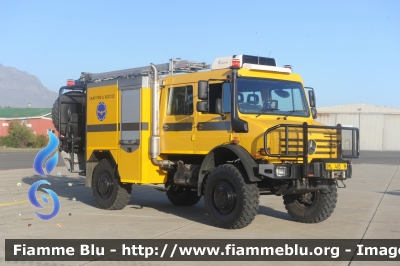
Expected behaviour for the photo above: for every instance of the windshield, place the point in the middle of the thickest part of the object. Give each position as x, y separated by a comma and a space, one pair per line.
268, 96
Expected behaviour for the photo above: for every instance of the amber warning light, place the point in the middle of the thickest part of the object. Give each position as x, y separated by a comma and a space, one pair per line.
70, 82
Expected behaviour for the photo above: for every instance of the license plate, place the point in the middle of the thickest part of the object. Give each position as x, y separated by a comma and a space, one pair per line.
336, 166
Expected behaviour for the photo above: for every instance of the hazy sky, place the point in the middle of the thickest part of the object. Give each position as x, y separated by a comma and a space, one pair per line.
349, 51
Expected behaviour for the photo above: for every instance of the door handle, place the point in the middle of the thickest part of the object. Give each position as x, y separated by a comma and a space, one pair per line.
200, 126
165, 127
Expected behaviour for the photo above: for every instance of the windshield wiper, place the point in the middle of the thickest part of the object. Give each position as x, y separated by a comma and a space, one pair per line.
266, 109
291, 112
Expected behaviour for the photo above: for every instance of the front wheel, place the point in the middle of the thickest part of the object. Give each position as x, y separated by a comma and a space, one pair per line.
230, 199
312, 207
108, 192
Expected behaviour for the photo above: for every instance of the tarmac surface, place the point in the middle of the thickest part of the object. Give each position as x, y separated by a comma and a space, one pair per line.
367, 209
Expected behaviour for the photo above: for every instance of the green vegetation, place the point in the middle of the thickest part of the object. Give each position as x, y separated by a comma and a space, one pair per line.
20, 136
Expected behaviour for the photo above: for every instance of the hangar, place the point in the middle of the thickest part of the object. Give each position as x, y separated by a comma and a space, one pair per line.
379, 126
37, 119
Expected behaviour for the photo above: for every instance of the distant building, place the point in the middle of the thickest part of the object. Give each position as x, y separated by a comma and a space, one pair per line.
37, 119
379, 126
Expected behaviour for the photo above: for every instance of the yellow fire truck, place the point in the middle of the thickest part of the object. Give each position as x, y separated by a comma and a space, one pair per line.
241, 129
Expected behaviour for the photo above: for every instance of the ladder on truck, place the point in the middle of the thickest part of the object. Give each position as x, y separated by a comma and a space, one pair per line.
174, 66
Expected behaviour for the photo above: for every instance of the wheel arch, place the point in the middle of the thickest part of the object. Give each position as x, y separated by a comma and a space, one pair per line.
220, 155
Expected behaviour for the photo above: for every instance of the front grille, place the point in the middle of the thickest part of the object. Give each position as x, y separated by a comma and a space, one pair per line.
288, 141
326, 144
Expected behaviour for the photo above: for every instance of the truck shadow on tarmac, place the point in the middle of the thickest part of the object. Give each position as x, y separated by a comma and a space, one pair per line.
57, 182
274, 213
143, 197
394, 193
65, 187
196, 213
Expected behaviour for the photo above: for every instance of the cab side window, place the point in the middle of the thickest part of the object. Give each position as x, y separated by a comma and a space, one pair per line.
180, 101
220, 98
226, 101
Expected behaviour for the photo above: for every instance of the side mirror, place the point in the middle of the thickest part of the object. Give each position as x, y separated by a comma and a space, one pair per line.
203, 90
202, 106
314, 113
311, 97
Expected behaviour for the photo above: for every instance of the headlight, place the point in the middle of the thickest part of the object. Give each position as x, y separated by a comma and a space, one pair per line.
312, 146
282, 170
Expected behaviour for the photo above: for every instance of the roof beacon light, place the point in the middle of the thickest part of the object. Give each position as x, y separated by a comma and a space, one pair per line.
235, 63
70, 82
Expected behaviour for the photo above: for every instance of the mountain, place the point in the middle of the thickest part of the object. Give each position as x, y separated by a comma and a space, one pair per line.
18, 89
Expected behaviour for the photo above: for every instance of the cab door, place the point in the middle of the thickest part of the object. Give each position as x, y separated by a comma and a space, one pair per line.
177, 120
214, 129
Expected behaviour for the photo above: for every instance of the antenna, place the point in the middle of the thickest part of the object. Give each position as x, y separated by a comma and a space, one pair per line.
269, 53
258, 58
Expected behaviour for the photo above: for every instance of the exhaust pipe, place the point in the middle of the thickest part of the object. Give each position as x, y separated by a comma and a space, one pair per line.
155, 136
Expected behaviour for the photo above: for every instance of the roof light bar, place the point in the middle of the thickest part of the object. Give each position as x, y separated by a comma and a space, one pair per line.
267, 68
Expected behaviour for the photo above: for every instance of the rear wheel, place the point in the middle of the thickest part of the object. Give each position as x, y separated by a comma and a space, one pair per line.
312, 207
109, 193
230, 199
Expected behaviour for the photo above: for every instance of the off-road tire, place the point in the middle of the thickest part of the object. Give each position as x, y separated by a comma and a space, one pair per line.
321, 206
116, 195
182, 196
231, 200
56, 110
54, 116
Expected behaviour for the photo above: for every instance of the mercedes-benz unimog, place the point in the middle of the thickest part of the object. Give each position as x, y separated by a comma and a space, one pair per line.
241, 129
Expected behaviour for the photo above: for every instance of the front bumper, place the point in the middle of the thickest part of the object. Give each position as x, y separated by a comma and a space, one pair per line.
321, 169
